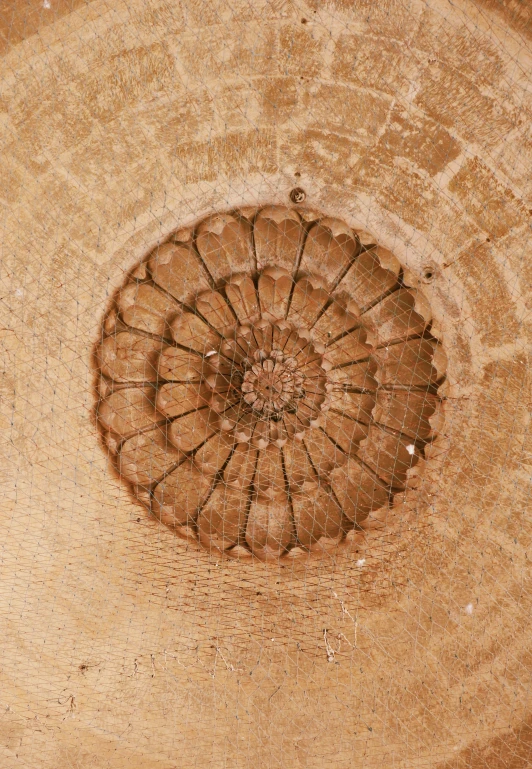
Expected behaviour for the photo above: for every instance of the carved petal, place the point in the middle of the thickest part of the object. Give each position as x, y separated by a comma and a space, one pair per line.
243, 298
314, 393
213, 454
189, 431
309, 410
358, 375
179, 398
315, 379
275, 286
129, 409
356, 405
178, 497
306, 353
367, 280
297, 466
240, 469
146, 308
358, 491
317, 517
335, 320
232, 416
190, 331
295, 426
389, 455
282, 332
222, 521
127, 357
177, 269
262, 333
349, 348
233, 350
324, 454
180, 366
147, 456
278, 236
269, 526
216, 311
222, 380
396, 317
418, 362
224, 243
307, 302
329, 249
269, 478
278, 434
406, 411
245, 427
345, 432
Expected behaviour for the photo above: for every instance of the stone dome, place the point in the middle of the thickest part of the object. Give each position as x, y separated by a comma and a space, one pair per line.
390, 140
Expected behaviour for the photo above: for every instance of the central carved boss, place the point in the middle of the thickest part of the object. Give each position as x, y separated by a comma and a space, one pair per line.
268, 383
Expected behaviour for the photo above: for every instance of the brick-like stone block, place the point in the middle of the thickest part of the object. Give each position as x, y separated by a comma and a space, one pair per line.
372, 62
491, 204
127, 77
419, 139
243, 152
301, 49
279, 98
348, 111
318, 154
458, 104
488, 295
250, 50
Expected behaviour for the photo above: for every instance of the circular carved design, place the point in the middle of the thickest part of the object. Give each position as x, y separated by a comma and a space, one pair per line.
268, 383
298, 195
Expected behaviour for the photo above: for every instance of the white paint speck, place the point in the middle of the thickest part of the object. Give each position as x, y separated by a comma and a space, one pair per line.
46, 4
469, 608
211, 352
19, 292
361, 562
410, 448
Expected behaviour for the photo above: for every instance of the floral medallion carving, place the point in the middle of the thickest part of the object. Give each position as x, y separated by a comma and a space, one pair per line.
268, 383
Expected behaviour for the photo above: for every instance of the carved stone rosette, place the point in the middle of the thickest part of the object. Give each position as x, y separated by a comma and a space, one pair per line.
268, 383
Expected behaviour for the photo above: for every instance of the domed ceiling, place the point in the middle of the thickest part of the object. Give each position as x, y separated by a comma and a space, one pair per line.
265, 385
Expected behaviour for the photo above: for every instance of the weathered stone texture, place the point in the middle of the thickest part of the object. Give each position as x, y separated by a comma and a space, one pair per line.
420, 140
347, 111
301, 48
19, 22
279, 98
123, 121
516, 13
312, 152
397, 19
238, 153
492, 447
463, 47
491, 204
373, 62
403, 189
251, 51
458, 104
515, 743
488, 295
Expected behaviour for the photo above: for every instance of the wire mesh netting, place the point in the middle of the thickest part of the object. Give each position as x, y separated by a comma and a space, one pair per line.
265, 384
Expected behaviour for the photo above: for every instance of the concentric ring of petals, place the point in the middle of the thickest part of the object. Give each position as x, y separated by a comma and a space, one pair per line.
268, 383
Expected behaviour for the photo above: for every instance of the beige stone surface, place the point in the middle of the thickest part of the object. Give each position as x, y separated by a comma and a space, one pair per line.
125, 647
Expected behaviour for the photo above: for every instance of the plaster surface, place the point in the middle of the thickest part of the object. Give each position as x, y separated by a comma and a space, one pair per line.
122, 122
